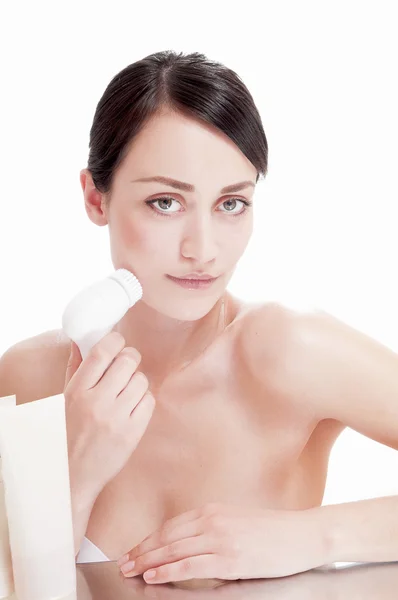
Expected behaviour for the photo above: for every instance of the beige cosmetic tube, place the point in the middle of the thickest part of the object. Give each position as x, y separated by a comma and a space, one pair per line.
6, 576
33, 447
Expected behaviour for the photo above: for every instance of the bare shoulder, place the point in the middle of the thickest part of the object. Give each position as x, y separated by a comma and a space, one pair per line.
267, 334
265, 331
35, 368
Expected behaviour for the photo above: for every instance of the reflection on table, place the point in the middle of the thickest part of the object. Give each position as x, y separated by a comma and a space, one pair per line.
103, 581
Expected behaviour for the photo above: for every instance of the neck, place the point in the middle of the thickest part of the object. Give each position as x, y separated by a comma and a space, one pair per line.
168, 345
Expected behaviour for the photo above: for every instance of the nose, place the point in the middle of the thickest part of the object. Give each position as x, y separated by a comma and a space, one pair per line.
198, 241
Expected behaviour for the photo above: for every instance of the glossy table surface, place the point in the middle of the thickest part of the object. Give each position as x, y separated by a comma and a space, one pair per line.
103, 581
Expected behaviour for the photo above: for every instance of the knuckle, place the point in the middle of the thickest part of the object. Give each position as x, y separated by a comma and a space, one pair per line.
164, 537
171, 551
164, 572
98, 353
116, 338
218, 522
108, 346
186, 566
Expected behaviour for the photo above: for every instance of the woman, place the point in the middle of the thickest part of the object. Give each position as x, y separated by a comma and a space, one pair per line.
225, 476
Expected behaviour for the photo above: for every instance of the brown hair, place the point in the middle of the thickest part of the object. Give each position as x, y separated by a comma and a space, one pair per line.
190, 84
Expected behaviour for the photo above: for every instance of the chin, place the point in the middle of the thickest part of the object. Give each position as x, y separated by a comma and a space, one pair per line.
189, 313
182, 309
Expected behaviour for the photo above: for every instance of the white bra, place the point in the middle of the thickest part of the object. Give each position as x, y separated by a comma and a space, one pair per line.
89, 552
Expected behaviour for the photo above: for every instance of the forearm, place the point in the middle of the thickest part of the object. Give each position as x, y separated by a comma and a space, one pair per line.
82, 506
362, 531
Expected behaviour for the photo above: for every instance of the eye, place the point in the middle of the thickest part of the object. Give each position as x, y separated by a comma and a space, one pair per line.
234, 201
164, 203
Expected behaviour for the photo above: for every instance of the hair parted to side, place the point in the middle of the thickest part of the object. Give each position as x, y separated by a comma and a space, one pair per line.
190, 84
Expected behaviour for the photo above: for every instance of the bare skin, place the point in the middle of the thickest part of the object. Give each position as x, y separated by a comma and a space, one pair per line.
216, 435
227, 427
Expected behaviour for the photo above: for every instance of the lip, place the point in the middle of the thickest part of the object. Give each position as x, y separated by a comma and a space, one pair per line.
195, 276
193, 284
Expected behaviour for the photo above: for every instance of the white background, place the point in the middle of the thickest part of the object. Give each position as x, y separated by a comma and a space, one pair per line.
323, 75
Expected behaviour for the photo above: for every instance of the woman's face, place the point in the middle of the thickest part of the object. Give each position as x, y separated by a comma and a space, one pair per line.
158, 229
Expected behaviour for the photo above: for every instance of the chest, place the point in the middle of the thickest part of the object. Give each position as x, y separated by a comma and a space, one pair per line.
212, 438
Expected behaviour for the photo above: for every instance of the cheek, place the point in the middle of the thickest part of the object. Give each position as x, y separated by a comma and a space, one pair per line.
128, 234
143, 239
237, 240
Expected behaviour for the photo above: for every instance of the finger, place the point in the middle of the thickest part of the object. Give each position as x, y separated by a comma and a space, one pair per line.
204, 566
99, 359
75, 359
129, 399
141, 415
168, 534
119, 373
167, 531
185, 548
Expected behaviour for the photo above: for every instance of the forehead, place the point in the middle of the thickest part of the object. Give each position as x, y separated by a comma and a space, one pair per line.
174, 145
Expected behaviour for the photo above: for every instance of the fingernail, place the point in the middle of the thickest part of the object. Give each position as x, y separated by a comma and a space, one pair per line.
123, 559
150, 574
129, 566
135, 354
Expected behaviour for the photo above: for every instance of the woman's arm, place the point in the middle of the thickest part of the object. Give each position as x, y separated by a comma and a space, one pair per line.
34, 369
340, 373
327, 367
82, 506
361, 531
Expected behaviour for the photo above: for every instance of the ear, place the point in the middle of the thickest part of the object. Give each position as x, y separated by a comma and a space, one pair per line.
94, 201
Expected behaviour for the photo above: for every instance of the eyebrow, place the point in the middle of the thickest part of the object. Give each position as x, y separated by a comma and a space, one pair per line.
187, 187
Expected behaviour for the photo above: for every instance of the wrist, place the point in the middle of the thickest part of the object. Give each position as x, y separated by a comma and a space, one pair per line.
83, 496
82, 503
319, 531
